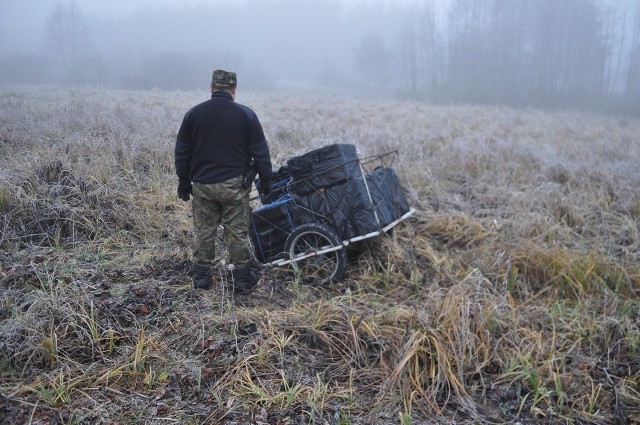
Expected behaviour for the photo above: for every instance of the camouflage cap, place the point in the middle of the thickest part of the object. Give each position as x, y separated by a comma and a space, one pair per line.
222, 78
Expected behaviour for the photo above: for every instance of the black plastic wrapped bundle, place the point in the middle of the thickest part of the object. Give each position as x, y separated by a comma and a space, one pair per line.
346, 207
323, 167
387, 194
270, 227
324, 207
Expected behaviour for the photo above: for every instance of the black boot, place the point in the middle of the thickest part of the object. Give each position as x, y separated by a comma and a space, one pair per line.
201, 276
244, 279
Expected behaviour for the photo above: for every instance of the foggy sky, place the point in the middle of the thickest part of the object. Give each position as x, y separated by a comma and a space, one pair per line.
281, 40
22, 21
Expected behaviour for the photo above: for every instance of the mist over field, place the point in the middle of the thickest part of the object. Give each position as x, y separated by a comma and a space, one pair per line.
576, 54
512, 295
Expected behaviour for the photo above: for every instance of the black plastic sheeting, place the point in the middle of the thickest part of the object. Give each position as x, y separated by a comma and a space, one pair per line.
346, 207
323, 167
388, 197
325, 186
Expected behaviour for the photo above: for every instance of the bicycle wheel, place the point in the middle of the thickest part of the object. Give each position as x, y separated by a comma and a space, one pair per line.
303, 246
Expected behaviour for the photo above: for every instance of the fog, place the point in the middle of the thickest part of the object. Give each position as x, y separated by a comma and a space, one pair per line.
582, 54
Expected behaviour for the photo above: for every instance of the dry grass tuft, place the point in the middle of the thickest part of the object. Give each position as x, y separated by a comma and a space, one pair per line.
570, 274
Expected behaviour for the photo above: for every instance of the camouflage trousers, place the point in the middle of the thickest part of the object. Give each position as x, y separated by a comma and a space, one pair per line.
226, 204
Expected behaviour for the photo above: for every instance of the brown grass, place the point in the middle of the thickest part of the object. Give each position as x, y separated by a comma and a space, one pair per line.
511, 296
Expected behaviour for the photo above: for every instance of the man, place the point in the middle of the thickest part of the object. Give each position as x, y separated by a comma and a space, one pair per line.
216, 141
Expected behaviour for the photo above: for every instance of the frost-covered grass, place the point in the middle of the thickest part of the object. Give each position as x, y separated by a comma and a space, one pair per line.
511, 295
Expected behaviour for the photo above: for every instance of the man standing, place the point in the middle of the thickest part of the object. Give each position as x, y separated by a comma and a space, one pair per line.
216, 141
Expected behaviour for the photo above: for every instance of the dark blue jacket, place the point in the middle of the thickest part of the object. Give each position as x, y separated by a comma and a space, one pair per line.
217, 139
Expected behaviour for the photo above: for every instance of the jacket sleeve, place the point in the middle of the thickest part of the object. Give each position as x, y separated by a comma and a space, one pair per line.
259, 149
183, 151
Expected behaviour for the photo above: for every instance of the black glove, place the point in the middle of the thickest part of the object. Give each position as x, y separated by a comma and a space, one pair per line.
265, 187
184, 190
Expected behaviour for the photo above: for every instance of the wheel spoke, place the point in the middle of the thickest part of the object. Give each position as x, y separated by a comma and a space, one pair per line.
316, 266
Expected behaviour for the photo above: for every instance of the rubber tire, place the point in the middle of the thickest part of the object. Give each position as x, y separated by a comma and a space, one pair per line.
321, 269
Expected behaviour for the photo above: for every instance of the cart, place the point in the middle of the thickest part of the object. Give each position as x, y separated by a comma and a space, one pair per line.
321, 203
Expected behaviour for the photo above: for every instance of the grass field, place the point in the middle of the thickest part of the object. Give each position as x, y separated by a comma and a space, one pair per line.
511, 296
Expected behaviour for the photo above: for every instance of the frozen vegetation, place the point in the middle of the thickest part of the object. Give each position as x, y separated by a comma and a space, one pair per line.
512, 295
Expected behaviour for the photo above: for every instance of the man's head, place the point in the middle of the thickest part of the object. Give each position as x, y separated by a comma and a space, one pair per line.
224, 80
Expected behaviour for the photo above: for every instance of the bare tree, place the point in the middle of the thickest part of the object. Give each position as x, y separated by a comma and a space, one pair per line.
470, 50
421, 52
632, 88
67, 40
371, 59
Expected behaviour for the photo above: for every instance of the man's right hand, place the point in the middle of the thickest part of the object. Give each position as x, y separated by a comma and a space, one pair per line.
184, 190
265, 187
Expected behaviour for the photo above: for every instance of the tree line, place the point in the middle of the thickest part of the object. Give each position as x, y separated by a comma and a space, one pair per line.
542, 53
539, 53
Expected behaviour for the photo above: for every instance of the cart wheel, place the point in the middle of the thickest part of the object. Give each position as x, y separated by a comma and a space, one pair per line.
313, 237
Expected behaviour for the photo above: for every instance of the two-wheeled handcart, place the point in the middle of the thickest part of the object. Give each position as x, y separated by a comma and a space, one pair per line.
320, 203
